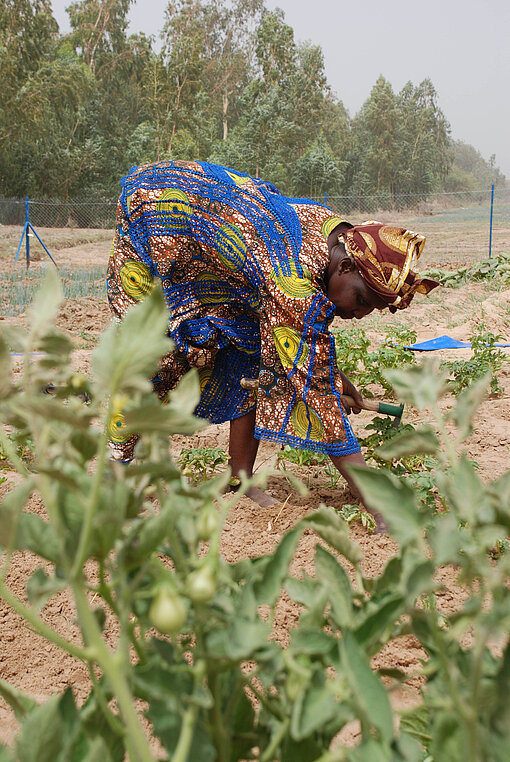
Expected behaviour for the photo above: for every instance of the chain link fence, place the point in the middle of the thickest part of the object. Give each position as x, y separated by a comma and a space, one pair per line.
76, 213
445, 218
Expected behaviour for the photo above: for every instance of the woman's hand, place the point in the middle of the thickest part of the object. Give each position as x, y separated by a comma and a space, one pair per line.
351, 391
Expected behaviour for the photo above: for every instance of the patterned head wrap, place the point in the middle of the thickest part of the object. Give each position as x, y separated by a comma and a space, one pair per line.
385, 257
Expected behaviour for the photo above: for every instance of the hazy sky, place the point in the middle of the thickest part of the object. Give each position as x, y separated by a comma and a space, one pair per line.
461, 45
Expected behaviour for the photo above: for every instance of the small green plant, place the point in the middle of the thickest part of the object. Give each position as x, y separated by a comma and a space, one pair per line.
24, 447
496, 269
300, 457
201, 463
486, 358
352, 345
351, 513
363, 367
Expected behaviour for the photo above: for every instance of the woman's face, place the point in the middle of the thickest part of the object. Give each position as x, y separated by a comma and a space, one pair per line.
351, 295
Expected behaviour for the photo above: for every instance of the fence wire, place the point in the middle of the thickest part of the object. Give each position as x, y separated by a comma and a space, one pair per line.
456, 223
52, 213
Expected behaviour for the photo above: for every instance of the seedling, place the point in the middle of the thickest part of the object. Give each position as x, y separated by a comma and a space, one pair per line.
201, 463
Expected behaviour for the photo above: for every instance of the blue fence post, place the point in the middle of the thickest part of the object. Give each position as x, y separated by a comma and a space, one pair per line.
490, 224
26, 233
325, 198
27, 225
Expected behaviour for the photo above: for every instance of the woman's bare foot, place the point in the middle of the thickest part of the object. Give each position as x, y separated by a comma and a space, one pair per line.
381, 526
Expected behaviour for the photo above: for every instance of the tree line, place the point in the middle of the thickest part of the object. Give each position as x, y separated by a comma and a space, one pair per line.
229, 84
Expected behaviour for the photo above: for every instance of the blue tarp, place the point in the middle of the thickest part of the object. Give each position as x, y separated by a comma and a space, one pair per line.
444, 342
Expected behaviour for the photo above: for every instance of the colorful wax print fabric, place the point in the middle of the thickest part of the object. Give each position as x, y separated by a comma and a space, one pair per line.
242, 269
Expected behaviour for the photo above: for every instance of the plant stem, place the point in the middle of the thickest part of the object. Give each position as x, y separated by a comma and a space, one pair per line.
111, 719
189, 720
113, 666
178, 556
216, 720
270, 751
274, 710
91, 507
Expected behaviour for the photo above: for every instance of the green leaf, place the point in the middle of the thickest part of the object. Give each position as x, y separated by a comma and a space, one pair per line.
444, 539
127, 355
167, 725
463, 489
368, 692
10, 513
57, 348
389, 579
269, 588
5, 754
40, 739
418, 385
468, 403
97, 751
303, 750
420, 580
147, 534
186, 395
313, 708
45, 305
242, 716
369, 750
379, 622
308, 641
409, 443
241, 640
327, 524
5, 368
20, 703
15, 338
334, 577
499, 493
449, 739
167, 419
394, 499
303, 590
416, 722
51, 409
40, 587
39, 537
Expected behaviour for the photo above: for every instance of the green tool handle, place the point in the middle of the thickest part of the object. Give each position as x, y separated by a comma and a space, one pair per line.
377, 407
387, 409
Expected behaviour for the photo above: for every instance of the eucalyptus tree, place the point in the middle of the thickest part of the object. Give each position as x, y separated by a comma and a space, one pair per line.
375, 141
28, 35
423, 150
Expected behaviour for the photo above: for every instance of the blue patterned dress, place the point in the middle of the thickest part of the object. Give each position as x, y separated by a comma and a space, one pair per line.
242, 269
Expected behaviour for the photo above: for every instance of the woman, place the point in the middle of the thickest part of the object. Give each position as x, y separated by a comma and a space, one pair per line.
252, 281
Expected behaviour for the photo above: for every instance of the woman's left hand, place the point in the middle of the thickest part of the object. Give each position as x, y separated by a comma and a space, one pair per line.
351, 391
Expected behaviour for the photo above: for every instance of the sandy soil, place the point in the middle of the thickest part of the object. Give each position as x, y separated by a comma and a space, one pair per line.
31, 664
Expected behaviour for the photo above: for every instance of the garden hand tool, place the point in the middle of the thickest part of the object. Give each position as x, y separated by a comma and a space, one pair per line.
377, 407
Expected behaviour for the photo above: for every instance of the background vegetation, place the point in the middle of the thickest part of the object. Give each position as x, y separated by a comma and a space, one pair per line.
229, 84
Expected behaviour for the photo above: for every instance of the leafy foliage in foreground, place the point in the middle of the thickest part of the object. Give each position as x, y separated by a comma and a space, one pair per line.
216, 686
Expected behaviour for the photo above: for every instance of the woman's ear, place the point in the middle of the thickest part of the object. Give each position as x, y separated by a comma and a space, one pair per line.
346, 265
